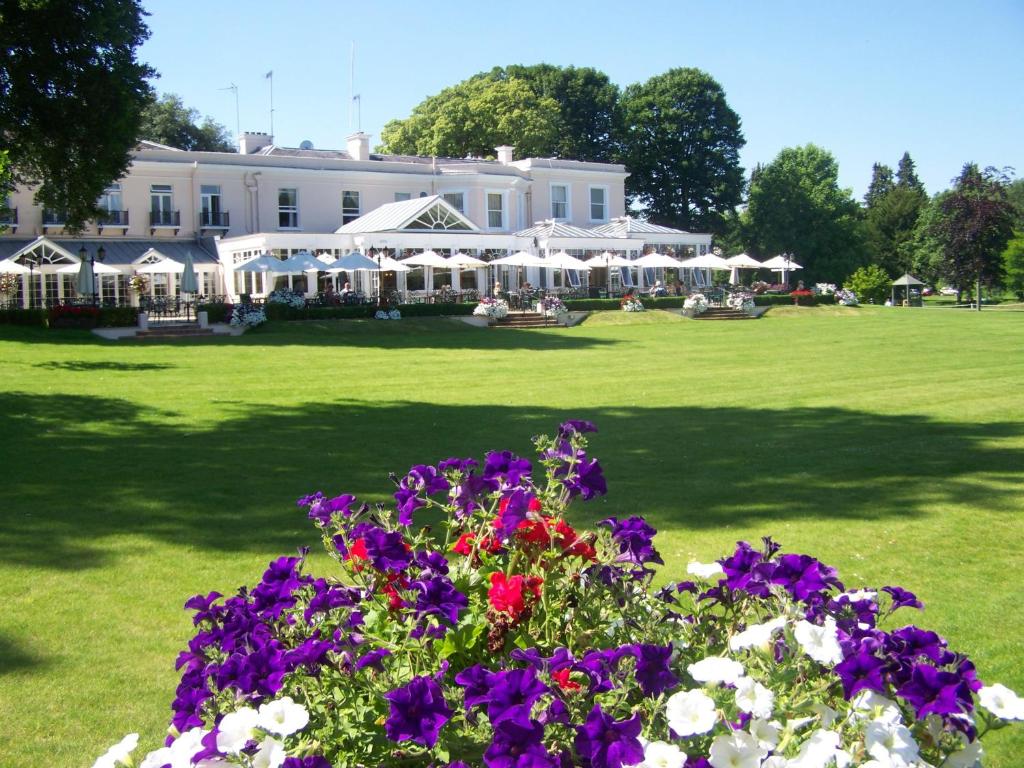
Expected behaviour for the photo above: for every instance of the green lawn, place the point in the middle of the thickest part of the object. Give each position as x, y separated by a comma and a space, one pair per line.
889, 443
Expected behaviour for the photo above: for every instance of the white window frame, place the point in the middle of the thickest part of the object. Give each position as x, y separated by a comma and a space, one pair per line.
465, 199
206, 198
112, 192
504, 209
165, 194
568, 200
290, 209
346, 213
401, 197
590, 202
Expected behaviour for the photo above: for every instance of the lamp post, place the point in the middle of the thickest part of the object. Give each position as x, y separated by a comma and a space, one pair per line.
31, 283
380, 275
100, 255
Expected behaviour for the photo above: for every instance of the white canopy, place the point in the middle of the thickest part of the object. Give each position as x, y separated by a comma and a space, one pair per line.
460, 259
387, 264
781, 264
13, 267
352, 262
707, 261
609, 259
100, 268
742, 261
520, 259
562, 260
427, 259
656, 260
304, 262
265, 263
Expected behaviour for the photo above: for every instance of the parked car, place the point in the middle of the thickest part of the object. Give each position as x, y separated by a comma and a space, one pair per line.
927, 291
948, 291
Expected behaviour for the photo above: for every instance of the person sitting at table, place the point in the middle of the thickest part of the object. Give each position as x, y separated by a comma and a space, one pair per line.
497, 289
658, 289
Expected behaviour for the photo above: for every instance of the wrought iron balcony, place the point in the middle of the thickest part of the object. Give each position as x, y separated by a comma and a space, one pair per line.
113, 219
165, 219
214, 220
54, 218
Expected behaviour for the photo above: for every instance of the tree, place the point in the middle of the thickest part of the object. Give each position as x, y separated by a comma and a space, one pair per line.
974, 224
681, 142
881, 184
906, 175
1015, 194
587, 106
796, 206
891, 222
872, 284
1013, 264
474, 117
168, 121
924, 248
71, 97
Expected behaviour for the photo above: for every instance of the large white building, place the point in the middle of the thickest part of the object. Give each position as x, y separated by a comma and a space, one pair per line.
228, 208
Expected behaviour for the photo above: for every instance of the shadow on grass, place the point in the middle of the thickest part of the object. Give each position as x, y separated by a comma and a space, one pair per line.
81, 469
14, 658
412, 333
101, 365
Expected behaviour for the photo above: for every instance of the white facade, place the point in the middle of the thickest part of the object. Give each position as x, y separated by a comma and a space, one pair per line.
235, 206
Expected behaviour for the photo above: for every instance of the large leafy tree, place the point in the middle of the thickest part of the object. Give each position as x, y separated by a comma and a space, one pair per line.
973, 226
475, 116
71, 96
681, 142
890, 225
796, 206
168, 121
587, 108
1015, 193
1013, 264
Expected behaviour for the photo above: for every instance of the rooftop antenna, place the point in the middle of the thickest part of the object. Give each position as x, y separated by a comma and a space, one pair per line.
238, 121
356, 101
270, 76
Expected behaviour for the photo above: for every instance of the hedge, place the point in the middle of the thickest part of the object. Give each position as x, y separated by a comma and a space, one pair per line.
35, 317
277, 311
216, 313
784, 299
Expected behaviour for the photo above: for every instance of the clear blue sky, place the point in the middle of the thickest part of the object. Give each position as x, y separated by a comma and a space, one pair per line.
866, 79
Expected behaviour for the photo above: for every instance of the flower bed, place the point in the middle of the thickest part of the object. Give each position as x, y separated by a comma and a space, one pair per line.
631, 303
554, 307
696, 303
494, 309
508, 639
74, 316
288, 298
387, 314
247, 315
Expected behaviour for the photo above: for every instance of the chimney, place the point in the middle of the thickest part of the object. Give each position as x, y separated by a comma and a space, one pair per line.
251, 142
359, 145
504, 154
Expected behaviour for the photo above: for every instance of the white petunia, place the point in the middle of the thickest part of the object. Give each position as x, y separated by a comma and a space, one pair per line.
968, 757
690, 713
754, 698
237, 729
766, 733
704, 570
884, 740
270, 754
157, 758
1002, 702
825, 713
283, 717
737, 750
775, 761
659, 754
843, 758
180, 753
715, 669
119, 753
860, 594
869, 705
818, 751
756, 635
820, 643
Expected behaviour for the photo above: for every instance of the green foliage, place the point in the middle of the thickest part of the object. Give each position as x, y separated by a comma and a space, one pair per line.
6, 183
37, 317
216, 312
118, 317
906, 175
796, 206
1015, 194
1013, 264
784, 299
473, 118
661, 302
362, 311
973, 225
924, 249
71, 97
681, 142
881, 184
872, 284
891, 224
168, 121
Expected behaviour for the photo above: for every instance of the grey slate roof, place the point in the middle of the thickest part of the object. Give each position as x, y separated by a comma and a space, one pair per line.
550, 229
624, 226
123, 250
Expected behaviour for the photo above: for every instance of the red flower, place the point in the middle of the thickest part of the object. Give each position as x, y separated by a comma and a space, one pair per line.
357, 554
564, 681
395, 600
509, 594
571, 544
535, 531
464, 546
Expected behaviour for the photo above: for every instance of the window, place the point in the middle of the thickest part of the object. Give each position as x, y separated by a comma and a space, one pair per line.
110, 200
287, 209
349, 206
161, 205
495, 210
456, 200
401, 197
209, 205
598, 204
559, 201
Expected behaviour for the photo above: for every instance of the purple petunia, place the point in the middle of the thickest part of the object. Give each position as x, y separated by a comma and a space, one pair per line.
517, 744
418, 712
930, 690
438, 596
635, 539
322, 510
652, 668
474, 680
571, 427
586, 480
901, 598
373, 659
608, 743
386, 549
861, 671
506, 467
512, 693
312, 761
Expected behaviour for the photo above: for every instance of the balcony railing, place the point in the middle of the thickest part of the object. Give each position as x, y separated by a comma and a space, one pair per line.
54, 218
214, 220
165, 219
113, 219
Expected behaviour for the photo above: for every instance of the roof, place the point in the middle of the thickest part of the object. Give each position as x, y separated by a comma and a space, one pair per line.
120, 250
550, 228
907, 279
624, 226
391, 217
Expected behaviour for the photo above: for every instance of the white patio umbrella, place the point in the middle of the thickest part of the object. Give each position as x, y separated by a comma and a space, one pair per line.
657, 260
99, 267
304, 261
738, 262
388, 264
189, 281
353, 262
520, 259
14, 268
265, 263
162, 267
782, 263
85, 284
427, 259
460, 259
562, 260
609, 260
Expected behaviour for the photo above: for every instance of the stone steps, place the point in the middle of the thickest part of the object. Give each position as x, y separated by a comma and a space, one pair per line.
174, 332
525, 320
724, 313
